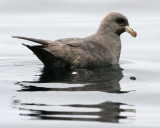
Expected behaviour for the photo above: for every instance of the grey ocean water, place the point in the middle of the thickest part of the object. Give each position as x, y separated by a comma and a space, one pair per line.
33, 97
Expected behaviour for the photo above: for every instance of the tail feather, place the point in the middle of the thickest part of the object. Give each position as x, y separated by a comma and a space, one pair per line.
39, 41
47, 58
42, 54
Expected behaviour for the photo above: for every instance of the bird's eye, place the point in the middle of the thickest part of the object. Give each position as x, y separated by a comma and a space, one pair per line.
120, 21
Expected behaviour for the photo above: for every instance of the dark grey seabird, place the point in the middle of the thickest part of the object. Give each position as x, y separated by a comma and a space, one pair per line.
97, 50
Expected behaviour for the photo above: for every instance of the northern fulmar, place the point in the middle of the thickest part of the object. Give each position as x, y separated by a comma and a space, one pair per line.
97, 50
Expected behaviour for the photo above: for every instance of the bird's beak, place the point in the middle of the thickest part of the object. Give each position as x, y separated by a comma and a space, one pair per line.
130, 31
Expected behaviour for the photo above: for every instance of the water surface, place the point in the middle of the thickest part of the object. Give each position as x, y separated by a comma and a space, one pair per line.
125, 95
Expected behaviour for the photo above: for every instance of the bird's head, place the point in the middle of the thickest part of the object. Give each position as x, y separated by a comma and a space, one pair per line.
116, 23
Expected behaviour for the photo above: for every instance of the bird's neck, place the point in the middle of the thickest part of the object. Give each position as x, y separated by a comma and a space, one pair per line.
111, 42
107, 30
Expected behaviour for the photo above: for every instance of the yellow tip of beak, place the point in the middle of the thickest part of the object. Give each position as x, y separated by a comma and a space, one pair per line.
131, 31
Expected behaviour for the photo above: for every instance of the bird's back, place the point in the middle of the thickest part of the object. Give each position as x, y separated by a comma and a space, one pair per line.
71, 53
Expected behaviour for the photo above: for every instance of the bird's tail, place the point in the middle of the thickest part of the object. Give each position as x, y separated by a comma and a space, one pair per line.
39, 41
45, 56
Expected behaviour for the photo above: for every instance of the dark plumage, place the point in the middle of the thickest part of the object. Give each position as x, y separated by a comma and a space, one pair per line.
100, 49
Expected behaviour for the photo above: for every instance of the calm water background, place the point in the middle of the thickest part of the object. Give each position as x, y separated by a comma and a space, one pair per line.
35, 97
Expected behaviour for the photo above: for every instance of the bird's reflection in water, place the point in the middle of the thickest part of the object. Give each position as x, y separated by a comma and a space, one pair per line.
109, 112
98, 79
